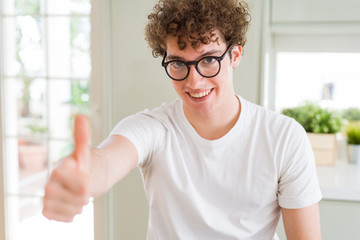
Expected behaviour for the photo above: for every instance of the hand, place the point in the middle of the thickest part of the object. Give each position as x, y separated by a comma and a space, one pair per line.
68, 189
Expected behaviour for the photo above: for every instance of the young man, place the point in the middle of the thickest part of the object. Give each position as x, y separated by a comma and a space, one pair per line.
215, 166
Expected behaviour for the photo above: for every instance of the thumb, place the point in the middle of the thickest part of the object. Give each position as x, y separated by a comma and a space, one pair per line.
81, 142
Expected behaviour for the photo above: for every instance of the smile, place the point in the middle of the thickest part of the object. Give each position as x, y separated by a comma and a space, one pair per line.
200, 95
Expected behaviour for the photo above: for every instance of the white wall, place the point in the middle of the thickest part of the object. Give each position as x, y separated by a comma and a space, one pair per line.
139, 82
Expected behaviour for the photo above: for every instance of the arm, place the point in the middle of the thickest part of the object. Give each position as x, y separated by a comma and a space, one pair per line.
111, 161
303, 223
86, 172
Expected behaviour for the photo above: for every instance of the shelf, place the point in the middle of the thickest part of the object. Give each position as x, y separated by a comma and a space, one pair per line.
340, 182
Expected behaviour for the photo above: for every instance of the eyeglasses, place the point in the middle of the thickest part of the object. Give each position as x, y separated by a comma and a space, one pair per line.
208, 67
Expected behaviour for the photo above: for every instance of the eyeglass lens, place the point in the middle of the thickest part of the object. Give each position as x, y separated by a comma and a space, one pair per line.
207, 67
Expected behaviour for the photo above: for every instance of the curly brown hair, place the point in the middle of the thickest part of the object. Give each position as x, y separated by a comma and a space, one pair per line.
194, 21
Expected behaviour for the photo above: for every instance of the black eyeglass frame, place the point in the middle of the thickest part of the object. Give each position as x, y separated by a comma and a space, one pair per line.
188, 64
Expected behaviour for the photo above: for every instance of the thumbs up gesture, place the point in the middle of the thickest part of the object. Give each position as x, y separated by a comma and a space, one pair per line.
68, 189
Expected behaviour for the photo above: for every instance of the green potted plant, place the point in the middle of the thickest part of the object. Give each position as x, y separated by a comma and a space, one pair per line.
321, 126
353, 141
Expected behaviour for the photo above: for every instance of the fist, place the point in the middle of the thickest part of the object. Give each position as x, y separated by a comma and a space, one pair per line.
68, 188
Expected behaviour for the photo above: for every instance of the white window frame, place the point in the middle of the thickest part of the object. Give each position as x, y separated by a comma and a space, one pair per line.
101, 98
2, 187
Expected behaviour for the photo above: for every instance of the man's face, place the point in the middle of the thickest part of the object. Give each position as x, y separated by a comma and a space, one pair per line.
201, 95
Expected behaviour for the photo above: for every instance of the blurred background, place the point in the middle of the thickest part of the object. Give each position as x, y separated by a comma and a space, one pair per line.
61, 58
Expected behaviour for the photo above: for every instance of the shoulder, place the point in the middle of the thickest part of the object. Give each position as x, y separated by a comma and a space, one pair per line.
160, 117
267, 117
165, 113
165, 109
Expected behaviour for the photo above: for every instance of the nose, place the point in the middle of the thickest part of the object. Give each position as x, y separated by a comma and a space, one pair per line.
194, 80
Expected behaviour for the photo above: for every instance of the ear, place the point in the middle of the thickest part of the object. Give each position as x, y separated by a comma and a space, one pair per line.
236, 53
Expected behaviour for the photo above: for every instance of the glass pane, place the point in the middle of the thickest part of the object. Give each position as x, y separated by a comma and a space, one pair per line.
80, 97
69, 47
80, 45
11, 166
58, 150
66, 99
21, 7
25, 221
68, 7
24, 53
25, 107
25, 167
80, 7
25, 116
332, 79
32, 167
60, 109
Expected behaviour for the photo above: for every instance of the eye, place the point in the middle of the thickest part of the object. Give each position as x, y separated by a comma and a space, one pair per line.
208, 60
177, 64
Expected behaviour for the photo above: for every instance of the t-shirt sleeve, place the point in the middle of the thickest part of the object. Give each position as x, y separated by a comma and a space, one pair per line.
145, 132
298, 182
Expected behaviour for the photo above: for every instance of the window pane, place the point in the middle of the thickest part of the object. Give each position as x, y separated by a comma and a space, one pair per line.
24, 53
66, 99
60, 109
25, 105
69, 47
333, 79
27, 222
26, 173
68, 7
80, 46
57, 150
80, 97
32, 168
23, 7
80, 7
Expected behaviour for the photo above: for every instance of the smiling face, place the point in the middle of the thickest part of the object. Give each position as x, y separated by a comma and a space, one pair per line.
203, 96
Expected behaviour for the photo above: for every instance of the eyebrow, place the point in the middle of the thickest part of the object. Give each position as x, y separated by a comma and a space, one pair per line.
210, 53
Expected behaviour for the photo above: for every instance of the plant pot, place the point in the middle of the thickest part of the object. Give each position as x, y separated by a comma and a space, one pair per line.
353, 151
32, 157
324, 147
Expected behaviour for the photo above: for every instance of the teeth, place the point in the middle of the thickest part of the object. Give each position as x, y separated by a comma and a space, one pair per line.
200, 95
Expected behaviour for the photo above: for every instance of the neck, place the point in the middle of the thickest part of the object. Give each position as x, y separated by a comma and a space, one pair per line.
218, 123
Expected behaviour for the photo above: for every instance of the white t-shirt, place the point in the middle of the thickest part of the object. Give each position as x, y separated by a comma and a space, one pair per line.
229, 188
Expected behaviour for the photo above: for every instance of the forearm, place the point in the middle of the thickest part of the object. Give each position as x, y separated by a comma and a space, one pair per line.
99, 166
110, 162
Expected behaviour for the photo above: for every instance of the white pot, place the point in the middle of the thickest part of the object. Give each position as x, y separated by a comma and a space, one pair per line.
354, 153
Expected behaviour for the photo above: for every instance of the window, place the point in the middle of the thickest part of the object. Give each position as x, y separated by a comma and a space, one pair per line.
332, 79
45, 79
319, 68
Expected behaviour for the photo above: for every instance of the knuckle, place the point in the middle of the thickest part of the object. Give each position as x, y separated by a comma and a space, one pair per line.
84, 189
50, 190
56, 174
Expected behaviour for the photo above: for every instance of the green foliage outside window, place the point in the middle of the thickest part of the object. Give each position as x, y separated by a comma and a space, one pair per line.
27, 6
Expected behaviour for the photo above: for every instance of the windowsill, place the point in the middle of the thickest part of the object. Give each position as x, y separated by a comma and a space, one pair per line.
340, 182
